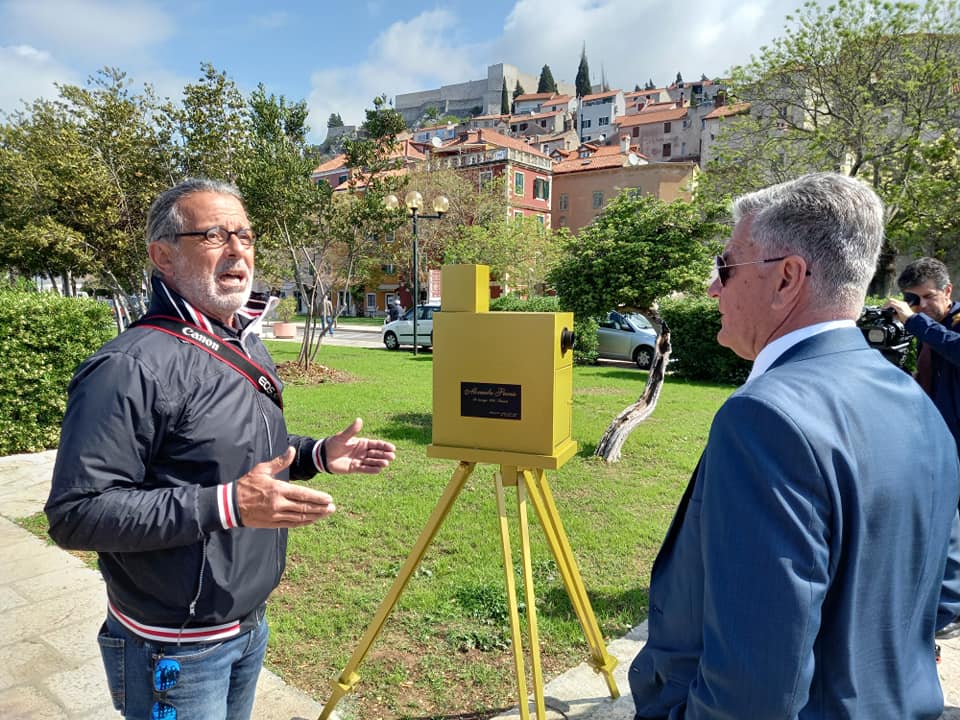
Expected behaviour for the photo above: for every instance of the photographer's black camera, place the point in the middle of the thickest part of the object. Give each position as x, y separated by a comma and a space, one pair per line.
885, 333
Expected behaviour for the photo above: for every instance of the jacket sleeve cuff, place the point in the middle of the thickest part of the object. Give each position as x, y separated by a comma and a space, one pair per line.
320, 456
228, 507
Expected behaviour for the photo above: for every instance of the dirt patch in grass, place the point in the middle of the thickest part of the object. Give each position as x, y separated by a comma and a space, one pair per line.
292, 374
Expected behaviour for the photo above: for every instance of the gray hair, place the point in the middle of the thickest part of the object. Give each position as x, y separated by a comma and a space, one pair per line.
920, 271
164, 219
832, 221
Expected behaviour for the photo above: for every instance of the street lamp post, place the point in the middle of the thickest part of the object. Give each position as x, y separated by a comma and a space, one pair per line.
414, 201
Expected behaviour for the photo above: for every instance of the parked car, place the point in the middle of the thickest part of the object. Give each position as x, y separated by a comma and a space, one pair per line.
400, 332
627, 337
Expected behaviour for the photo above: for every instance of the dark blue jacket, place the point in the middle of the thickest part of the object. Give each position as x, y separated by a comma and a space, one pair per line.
944, 340
801, 580
156, 432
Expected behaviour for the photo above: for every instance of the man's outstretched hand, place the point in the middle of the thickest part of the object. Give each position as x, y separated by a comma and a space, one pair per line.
347, 453
265, 502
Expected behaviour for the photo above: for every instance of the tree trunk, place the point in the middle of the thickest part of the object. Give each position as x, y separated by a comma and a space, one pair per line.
623, 424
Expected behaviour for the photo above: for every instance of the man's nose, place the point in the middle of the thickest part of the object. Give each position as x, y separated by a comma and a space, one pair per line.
714, 289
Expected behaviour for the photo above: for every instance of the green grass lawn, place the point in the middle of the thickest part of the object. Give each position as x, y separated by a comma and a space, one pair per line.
445, 649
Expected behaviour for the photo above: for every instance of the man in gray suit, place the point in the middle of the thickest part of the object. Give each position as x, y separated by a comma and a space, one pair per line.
800, 575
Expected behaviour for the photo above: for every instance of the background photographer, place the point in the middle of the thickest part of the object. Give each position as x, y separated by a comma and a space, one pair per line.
929, 314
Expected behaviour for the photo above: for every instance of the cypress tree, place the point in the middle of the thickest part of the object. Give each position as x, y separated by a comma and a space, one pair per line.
518, 90
547, 83
504, 99
583, 74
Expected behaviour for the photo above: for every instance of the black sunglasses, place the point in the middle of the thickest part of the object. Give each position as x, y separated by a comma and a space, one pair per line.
723, 268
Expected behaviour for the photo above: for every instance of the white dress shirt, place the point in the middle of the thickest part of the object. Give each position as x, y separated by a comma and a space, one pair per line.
768, 356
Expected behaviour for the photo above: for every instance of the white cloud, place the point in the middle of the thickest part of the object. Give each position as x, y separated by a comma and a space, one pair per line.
28, 74
636, 40
413, 55
91, 29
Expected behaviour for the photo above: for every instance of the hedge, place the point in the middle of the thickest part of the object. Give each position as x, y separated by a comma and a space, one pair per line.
43, 337
694, 323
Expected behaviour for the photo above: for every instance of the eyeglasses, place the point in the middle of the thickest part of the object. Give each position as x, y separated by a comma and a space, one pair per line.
166, 674
216, 237
723, 268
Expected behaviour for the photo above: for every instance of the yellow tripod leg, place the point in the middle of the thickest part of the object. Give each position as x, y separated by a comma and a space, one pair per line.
518, 664
349, 677
542, 499
530, 596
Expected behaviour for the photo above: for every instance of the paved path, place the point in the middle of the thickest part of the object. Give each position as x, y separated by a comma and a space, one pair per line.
51, 606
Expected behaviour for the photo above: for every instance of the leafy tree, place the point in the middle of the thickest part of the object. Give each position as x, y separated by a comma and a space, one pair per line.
504, 99
212, 122
517, 90
639, 249
78, 176
547, 84
650, 85
334, 121
636, 87
583, 75
863, 87
285, 204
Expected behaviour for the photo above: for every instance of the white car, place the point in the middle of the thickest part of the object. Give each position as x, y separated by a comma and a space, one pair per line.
400, 332
627, 337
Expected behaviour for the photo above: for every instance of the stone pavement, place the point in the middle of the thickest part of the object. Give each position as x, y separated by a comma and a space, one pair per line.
51, 606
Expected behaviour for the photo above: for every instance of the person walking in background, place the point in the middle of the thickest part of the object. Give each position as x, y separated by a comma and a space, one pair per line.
174, 465
328, 314
800, 576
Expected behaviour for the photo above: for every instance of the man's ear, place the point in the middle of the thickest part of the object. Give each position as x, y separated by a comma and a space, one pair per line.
161, 255
793, 275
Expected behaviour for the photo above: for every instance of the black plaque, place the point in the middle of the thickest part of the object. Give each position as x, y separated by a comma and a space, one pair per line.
490, 400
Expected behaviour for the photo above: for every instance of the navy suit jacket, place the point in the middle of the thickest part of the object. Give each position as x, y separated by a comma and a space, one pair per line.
801, 578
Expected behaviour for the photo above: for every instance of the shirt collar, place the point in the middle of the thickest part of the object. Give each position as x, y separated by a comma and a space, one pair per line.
768, 356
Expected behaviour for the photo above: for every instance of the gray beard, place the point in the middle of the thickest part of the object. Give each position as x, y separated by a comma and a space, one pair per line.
202, 292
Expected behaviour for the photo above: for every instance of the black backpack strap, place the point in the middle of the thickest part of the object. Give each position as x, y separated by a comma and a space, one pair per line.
262, 380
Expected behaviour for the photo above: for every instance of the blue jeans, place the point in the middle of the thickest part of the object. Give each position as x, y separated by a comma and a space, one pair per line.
217, 680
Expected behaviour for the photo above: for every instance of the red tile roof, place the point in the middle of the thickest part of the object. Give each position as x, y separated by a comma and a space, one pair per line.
488, 137
726, 110
334, 163
650, 118
533, 96
597, 96
601, 162
530, 116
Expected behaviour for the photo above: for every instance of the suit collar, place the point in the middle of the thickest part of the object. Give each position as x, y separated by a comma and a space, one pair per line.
826, 343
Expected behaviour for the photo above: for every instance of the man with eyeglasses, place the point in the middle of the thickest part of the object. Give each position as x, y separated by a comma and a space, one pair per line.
174, 465
800, 576
929, 313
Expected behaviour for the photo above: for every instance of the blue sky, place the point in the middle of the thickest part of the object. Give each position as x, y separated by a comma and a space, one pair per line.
339, 55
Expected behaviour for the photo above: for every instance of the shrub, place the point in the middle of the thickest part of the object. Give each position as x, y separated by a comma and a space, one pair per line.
43, 338
694, 323
515, 303
286, 309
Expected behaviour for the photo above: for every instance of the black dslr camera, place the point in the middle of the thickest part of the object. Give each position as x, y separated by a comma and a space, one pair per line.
885, 333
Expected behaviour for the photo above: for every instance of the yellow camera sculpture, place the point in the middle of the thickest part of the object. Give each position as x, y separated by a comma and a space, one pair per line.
502, 394
502, 382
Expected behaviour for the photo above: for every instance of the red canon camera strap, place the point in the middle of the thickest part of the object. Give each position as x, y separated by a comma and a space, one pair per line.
223, 351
